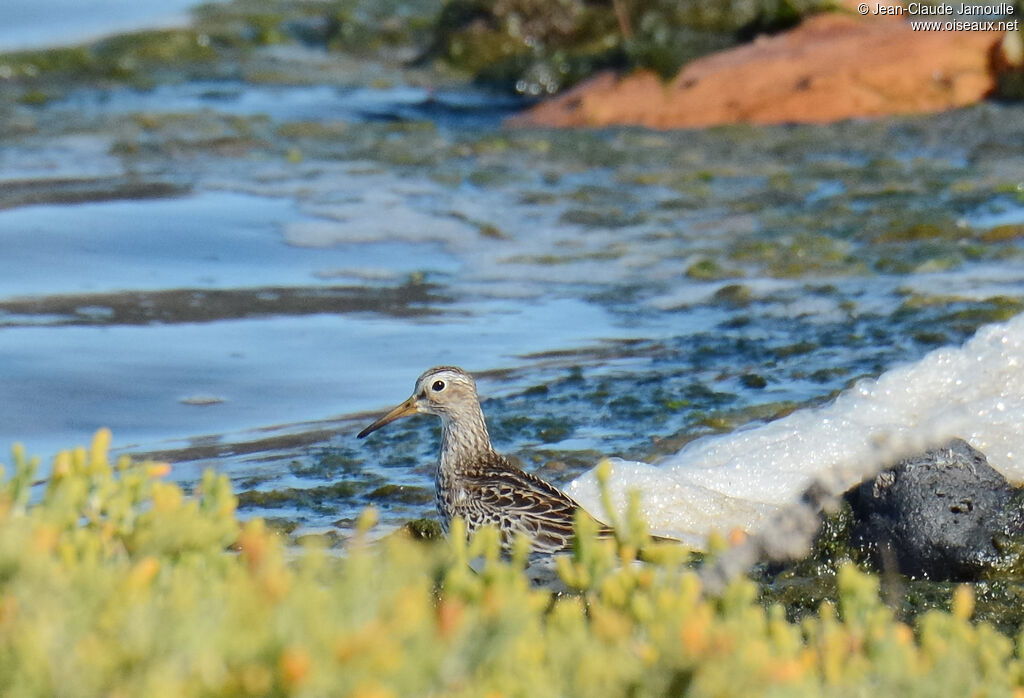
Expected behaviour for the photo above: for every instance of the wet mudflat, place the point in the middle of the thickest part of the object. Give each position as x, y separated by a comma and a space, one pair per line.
239, 272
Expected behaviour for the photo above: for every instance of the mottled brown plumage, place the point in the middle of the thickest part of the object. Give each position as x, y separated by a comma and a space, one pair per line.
474, 481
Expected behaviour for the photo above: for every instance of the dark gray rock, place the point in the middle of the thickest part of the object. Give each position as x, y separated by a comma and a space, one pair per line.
942, 515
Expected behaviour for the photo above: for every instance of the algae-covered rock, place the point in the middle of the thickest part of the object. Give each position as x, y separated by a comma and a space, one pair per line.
424, 529
539, 47
939, 515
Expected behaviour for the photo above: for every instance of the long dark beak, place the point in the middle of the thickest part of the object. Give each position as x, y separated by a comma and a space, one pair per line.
404, 410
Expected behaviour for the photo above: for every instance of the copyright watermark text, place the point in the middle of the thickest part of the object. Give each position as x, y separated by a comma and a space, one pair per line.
948, 17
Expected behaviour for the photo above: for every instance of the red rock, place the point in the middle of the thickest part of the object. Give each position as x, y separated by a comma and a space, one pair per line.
831, 67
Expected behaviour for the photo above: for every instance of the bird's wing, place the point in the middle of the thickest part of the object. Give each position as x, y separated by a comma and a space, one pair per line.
530, 505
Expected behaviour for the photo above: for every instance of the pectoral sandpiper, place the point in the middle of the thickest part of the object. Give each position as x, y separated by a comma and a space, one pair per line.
474, 481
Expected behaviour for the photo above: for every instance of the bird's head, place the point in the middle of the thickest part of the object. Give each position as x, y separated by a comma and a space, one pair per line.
443, 391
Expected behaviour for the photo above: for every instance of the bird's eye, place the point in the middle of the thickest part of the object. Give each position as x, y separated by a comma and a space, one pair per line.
438, 386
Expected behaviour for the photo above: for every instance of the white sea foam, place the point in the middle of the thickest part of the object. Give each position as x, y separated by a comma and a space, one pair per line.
975, 392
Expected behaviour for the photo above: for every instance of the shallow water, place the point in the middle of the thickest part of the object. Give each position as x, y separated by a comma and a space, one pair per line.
240, 276
155, 244
461, 107
41, 23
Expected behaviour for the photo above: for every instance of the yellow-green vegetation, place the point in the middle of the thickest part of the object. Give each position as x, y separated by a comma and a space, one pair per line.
114, 582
